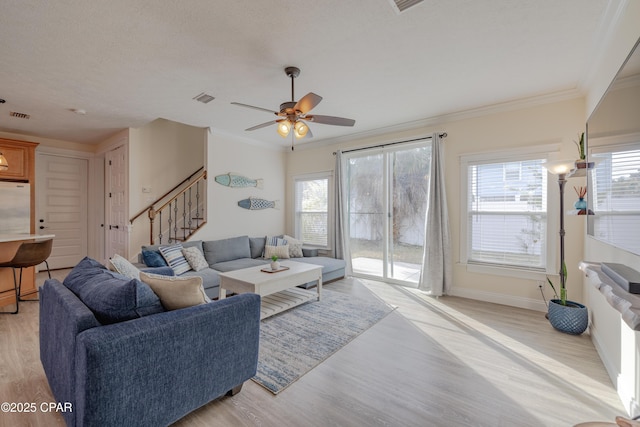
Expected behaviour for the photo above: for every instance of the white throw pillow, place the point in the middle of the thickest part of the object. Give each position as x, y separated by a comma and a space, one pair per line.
282, 252
295, 247
195, 258
123, 266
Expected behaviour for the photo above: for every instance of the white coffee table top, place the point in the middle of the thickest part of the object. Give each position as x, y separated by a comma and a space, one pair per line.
254, 275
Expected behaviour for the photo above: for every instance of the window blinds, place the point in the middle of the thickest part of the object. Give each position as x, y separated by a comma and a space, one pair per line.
312, 201
507, 213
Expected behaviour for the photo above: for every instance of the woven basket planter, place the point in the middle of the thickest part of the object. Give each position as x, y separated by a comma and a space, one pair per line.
572, 318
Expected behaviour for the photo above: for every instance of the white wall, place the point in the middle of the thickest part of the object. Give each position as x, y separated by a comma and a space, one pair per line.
622, 361
225, 218
558, 123
161, 154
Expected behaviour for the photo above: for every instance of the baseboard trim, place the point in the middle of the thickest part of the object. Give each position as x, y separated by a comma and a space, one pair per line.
510, 300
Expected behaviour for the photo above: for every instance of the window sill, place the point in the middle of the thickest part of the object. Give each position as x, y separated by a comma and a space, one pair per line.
520, 273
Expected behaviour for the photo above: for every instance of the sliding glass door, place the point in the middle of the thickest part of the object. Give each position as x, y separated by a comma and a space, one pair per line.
387, 196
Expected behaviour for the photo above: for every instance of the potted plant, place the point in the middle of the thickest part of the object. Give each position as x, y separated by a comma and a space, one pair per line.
275, 265
564, 315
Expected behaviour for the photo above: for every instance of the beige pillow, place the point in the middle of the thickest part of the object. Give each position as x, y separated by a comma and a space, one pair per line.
295, 247
195, 258
282, 252
123, 266
176, 292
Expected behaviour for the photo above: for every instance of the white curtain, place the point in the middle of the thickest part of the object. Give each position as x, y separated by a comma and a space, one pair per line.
341, 239
435, 277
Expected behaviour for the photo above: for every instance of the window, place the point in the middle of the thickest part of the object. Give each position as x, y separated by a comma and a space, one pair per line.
615, 196
312, 209
506, 210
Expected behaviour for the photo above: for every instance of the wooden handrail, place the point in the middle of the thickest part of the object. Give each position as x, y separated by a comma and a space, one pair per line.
204, 174
184, 190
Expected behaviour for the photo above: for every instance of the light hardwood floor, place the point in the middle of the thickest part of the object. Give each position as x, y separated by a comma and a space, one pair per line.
431, 362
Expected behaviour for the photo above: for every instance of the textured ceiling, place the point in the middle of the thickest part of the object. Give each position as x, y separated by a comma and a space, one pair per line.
128, 62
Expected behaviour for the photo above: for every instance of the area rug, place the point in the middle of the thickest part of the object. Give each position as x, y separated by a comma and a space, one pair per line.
295, 341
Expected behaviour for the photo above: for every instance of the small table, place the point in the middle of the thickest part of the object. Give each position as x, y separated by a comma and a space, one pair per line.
279, 290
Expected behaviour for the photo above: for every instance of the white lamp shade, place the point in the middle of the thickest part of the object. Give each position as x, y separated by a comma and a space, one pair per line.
560, 167
301, 129
283, 128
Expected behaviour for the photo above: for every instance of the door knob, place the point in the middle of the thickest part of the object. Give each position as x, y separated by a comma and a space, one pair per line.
42, 227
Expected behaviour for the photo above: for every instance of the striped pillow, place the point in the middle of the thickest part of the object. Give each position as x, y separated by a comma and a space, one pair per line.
174, 257
275, 241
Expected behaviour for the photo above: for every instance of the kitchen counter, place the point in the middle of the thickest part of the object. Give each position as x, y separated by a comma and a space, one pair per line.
24, 237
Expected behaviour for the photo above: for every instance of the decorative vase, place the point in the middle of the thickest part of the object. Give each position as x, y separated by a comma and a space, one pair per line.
581, 204
275, 265
572, 318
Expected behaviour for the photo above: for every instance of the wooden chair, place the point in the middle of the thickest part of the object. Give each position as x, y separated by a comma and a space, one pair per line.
29, 254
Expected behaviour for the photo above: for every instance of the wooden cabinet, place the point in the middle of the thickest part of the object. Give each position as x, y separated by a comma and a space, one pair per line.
21, 158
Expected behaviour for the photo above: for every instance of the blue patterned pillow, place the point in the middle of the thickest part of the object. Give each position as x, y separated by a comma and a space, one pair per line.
275, 241
153, 258
175, 258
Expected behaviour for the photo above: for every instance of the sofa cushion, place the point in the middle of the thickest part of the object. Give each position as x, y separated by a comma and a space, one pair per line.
216, 251
174, 257
282, 252
176, 292
123, 266
328, 264
195, 258
256, 245
210, 277
295, 247
153, 258
237, 264
110, 296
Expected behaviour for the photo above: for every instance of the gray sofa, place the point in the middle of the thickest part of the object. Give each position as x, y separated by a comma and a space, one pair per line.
110, 350
242, 252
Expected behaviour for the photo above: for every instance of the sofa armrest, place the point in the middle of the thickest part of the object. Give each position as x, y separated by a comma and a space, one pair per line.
309, 252
163, 271
154, 370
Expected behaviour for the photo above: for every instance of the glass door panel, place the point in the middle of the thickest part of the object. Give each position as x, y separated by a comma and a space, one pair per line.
409, 188
367, 214
387, 205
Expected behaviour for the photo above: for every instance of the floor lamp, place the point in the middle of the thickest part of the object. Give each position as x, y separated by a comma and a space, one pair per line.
564, 169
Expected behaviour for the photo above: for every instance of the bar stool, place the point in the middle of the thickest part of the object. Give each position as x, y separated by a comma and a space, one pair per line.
29, 254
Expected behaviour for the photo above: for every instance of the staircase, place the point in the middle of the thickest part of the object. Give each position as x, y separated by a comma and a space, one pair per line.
179, 213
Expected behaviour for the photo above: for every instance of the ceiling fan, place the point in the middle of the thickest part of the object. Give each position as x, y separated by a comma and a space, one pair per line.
294, 115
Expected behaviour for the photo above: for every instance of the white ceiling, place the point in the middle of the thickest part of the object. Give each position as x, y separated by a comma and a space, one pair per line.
128, 62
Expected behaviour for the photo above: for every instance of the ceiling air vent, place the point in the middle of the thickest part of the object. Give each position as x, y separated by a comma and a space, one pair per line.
204, 98
19, 115
401, 5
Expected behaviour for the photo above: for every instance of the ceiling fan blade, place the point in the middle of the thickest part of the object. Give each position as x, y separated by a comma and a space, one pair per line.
263, 125
330, 120
307, 102
255, 108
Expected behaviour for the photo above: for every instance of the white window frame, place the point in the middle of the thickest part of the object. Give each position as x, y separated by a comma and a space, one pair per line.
552, 229
328, 175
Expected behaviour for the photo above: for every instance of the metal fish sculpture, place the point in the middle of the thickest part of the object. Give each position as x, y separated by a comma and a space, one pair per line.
238, 181
254, 203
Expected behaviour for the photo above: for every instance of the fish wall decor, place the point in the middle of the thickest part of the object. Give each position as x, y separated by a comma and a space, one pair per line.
238, 181
254, 204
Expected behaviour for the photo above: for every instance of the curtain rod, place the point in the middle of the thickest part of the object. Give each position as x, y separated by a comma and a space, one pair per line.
442, 135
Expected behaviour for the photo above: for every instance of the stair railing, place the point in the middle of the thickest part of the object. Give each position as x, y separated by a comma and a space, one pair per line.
182, 214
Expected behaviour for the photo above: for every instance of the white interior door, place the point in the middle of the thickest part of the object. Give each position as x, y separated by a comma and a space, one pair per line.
61, 207
117, 210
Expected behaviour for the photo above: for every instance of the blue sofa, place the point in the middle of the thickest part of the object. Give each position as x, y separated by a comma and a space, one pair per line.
242, 252
151, 369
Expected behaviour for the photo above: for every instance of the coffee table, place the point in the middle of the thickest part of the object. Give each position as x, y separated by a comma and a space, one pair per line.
278, 290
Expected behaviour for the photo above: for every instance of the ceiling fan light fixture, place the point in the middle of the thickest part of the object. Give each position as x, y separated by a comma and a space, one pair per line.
284, 127
300, 129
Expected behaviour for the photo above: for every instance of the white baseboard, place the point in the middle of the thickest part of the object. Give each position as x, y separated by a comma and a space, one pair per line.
528, 303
